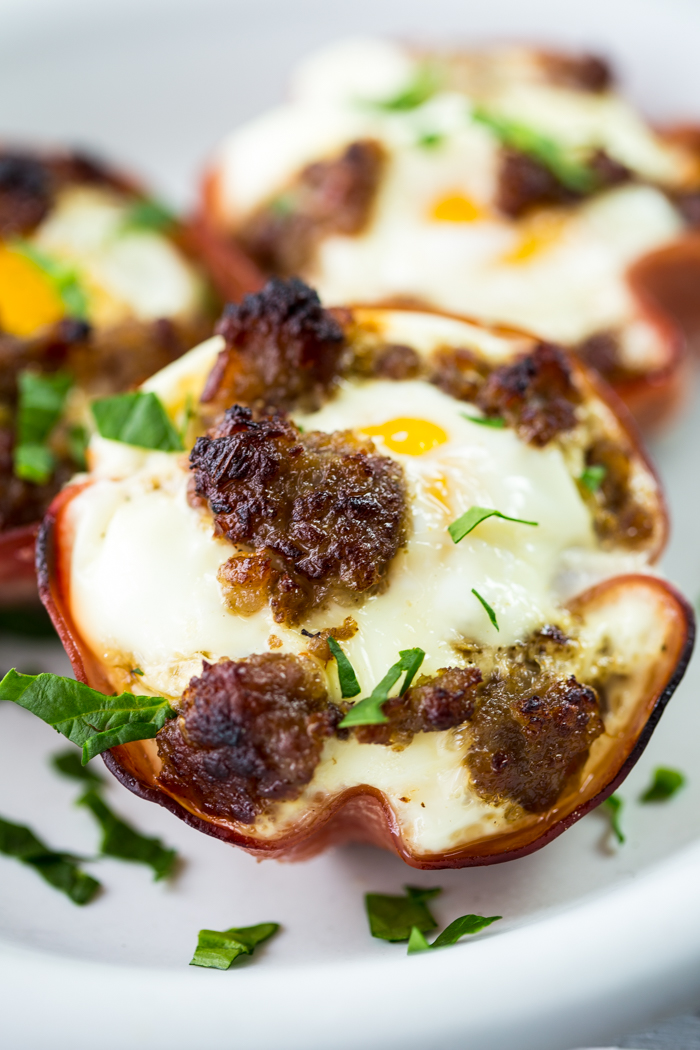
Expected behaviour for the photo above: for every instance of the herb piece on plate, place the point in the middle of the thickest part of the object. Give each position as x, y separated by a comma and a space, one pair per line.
39, 407
123, 842
349, 685
424, 83
474, 516
68, 764
489, 611
87, 718
138, 419
465, 924
218, 949
61, 870
497, 422
368, 712
664, 785
613, 806
391, 918
150, 215
593, 477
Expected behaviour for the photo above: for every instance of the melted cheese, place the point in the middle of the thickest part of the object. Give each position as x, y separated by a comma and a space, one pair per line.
143, 571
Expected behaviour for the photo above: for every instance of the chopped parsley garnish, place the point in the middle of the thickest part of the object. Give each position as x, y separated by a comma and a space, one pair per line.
87, 718
148, 214
60, 870
123, 842
425, 83
368, 712
349, 685
571, 173
40, 403
474, 516
614, 805
465, 924
430, 140
64, 278
392, 918
664, 785
138, 671
137, 419
592, 477
68, 764
497, 422
489, 611
218, 949
78, 441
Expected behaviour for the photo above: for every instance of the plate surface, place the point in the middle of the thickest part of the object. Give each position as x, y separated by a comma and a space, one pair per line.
595, 939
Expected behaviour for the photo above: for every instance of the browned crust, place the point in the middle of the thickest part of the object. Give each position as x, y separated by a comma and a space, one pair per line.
363, 813
652, 397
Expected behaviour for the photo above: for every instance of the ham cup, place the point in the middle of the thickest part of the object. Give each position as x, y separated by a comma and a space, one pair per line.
98, 290
510, 184
401, 591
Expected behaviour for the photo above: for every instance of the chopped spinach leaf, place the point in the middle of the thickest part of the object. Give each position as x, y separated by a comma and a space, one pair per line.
430, 140
218, 949
137, 419
391, 917
68, 764
148, 214
425, 83
138, 671
61, 870
592, 477
368, 712
349, 685
87, 718
497, 422
122, 841
40, 403
664, 785
571, 173
613, 806
64, 278
465, 924
489, 611
474, 516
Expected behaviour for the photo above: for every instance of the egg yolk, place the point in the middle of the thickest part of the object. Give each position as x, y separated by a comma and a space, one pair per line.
456, 208
536, 235
410, 437
27, 299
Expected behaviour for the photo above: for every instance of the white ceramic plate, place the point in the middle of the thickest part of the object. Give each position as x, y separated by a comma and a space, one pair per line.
595, 940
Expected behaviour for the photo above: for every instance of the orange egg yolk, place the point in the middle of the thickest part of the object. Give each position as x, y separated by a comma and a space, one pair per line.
27, 299
456, 208
410, 437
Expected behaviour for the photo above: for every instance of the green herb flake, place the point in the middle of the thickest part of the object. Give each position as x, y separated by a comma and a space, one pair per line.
137, 419
123, 842
391, 918
218, 949
425, 83
91, 720
497, 422
60, 870
68, 764
349, 685
593, 477
78, 441
474, 516
39, 407
63, 276
489, 611
430, 140
368, 712
148, 214
571, 173
461, 927
138, 671
613, 806
664, 785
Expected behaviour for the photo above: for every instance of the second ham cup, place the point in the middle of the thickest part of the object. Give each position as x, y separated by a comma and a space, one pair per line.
400, 591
